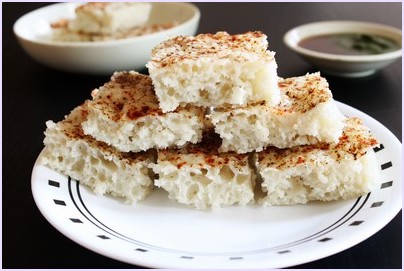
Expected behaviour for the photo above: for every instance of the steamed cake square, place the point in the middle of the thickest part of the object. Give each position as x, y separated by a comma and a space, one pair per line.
214, 70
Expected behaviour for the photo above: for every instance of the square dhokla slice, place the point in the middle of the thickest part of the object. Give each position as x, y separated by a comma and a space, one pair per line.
109, 18
95, 164
200, 176
321, 172
125, 114
214, 70
307, 114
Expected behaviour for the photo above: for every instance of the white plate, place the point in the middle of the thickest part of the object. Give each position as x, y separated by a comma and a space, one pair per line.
99, 57
162, 234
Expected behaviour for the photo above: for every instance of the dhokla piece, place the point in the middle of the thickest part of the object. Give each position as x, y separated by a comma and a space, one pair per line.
321, 172
61, 32
95, 164
214, 70
109, 18
199, 176
307, 114
125, 114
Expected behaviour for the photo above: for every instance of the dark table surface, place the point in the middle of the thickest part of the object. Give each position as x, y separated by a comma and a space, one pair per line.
33, 94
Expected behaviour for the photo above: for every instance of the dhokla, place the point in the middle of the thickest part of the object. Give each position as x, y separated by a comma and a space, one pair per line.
95, 164
214, 70
109, 18
320, 172
125, 114
199, 176
307, 114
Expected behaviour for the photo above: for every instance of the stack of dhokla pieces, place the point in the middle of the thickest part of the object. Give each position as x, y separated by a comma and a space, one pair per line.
213, 125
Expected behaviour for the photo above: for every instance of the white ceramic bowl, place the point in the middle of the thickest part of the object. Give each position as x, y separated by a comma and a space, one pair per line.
102, 57
344, 65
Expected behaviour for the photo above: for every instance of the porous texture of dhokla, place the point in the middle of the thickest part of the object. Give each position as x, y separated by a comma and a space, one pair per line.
199, 176
320, 172
214, 70
95, 164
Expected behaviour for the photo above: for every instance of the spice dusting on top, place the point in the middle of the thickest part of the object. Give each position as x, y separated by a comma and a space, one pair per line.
129, 96
355, 141
303, 93
240, 47
299, 95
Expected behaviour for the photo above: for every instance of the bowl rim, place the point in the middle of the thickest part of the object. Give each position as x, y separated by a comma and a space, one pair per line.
290, 35
81, 44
